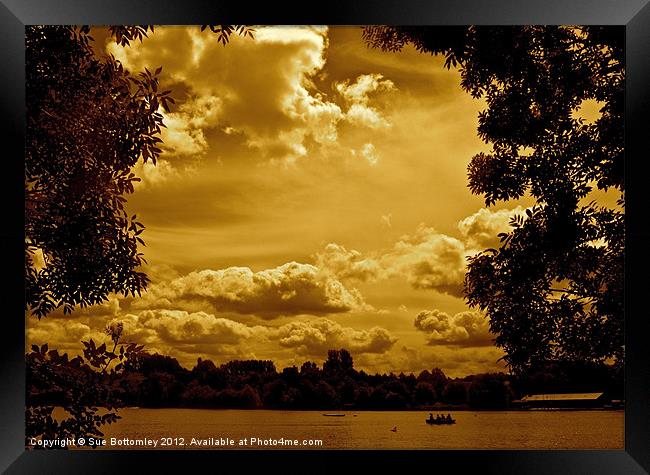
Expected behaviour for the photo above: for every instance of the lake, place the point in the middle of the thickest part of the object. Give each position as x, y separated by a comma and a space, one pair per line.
367, 429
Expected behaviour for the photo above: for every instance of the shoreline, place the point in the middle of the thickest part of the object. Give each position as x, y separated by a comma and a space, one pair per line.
358, 410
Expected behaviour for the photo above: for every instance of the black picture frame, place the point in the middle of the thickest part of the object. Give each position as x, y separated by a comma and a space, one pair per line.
634, 15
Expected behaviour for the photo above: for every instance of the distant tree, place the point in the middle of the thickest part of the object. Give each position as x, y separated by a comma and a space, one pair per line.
206, 372
199, 395
249, 397
395, 401
346, 389
338, 360
290, 375
326, 396
246, 367
273, 392
408, 380
396, 385
292, 398
377, 398
424, 393
89, 121
436, 377
455, 392
309, 368
489, 391
554, 288
362, 396
147, 363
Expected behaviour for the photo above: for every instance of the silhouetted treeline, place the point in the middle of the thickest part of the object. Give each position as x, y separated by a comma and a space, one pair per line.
153, 380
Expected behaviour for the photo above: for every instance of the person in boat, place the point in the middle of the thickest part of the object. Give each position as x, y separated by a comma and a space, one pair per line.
430, 416
449, 417
438, 418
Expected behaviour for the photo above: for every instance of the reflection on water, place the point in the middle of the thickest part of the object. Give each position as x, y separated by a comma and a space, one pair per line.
372, 430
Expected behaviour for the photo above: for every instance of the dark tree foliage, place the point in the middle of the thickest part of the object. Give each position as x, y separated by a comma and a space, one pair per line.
224, 32
76, 386
89, 121
554, 288
455, 392
338, 360
425, 393
555, 377
490, 391
246, 367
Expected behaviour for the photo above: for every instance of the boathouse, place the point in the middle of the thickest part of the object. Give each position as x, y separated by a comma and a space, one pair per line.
558, 401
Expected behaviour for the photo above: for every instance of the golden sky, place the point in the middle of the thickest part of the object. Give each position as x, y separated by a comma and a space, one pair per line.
312, 194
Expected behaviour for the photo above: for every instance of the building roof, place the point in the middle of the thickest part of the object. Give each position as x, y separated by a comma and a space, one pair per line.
562, 397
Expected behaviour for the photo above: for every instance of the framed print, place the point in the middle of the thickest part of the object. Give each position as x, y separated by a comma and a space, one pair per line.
250, 236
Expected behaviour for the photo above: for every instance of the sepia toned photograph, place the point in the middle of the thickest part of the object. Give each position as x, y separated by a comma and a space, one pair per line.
244, 237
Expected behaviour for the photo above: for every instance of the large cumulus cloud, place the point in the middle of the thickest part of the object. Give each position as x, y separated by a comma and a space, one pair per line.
461, 329
348, 264
357, 96
480, 229
176, 327
290, 289
427, 259
220, 89
315, 337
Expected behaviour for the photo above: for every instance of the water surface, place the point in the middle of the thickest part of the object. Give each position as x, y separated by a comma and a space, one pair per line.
370, 429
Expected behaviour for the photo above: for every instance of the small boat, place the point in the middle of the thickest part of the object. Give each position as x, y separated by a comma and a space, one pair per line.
394, 429
334, 415
440, 422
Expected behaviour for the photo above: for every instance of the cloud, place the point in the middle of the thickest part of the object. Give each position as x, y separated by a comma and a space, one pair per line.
290, 289
369, 153
178, 333
174, 327
356, 95
463, 329
386, 220
454, 361
427, 259
315, 337
224, 90
153, 175
348, 264
283, 120
59, 334
183, 133
480, 229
